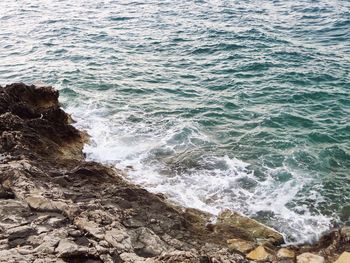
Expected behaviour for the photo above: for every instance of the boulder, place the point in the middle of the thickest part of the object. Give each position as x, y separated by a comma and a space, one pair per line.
146, 243
119, 239
248, 227
48, 245
285, 253
89, 226
67, 248
240, 245
344, 258
40, 203
260, 254
310, 258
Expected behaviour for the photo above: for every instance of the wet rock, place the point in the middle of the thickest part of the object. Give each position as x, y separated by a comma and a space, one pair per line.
345, 233
248, 227
54, 204
310, 258
260, 254
344, 258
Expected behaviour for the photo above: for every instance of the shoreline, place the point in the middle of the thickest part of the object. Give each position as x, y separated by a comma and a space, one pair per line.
58, 207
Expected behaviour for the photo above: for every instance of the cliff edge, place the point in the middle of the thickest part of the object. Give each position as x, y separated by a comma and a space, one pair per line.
57, 207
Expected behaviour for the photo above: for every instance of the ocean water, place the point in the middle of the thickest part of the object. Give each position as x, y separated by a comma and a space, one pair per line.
218, 104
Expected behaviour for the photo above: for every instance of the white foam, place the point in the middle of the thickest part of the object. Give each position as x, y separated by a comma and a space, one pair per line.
211, 184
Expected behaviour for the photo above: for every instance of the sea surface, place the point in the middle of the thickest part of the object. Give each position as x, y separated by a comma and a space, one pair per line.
218, 104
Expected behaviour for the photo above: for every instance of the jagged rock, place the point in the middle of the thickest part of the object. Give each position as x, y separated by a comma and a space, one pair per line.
285, 253
119, 239
344, 258
131, 258
18, 236
90, 227
54, 203
6, 193
48, 244
67, 248
56, 220
345, 233
240, 245
13, 256
248, 228
75, 233
146, 243
41, 204
260, 254
106, 258
179, 257
13, 213
103, 243
310, 258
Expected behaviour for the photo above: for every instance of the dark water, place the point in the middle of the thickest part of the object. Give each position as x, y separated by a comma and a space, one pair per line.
238, 104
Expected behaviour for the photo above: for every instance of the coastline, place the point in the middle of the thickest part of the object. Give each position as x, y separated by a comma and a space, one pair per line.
58, 207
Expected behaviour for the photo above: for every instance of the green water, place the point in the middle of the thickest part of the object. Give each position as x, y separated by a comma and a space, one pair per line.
219, 104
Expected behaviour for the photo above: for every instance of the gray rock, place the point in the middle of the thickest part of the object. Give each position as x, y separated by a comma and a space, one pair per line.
285, 261
345, 233
104, 243
131, 258
147, 244
48, 244
68, 248
13, 256
75, 233
119, 239
40, 203
90, 227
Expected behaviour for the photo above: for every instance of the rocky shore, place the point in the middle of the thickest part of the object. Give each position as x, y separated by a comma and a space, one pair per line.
57, 207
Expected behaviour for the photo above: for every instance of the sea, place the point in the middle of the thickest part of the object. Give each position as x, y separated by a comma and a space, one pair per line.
240, 104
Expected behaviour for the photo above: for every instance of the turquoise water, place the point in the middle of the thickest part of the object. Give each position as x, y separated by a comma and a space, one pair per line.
219, 104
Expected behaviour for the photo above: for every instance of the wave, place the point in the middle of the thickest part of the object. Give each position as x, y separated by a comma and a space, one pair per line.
181, 162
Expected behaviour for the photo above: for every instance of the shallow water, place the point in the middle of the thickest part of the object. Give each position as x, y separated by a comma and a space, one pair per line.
219, 104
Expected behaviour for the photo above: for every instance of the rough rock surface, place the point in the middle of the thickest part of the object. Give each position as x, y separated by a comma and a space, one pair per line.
285, 253
57, 207
344, 258
309, 258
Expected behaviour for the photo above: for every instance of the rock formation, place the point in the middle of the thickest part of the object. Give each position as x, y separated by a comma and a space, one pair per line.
57, 207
